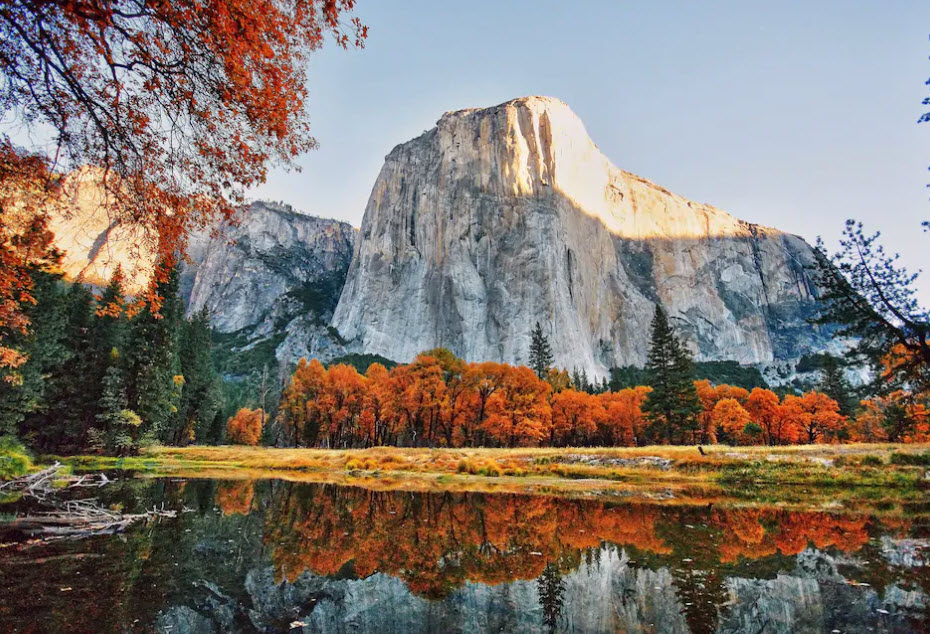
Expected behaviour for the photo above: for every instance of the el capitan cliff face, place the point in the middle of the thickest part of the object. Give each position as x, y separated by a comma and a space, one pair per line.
505, 216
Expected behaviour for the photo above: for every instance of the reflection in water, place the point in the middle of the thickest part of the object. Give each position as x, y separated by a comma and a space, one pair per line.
247, 556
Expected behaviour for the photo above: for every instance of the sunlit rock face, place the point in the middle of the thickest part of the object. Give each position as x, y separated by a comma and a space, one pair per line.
501, 217
93, 245
276, 276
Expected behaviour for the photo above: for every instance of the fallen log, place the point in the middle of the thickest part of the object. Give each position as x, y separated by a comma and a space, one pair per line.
68, 518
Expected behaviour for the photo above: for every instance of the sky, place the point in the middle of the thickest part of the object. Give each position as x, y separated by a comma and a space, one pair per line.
796, 115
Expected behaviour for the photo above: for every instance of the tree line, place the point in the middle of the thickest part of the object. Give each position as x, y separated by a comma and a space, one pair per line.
109, 375
441, 400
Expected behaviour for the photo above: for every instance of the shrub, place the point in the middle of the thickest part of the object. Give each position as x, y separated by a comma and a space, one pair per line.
245, 428
911, 459
14, 460
872, 461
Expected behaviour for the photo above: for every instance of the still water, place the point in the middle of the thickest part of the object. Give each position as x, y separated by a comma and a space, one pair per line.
276, 556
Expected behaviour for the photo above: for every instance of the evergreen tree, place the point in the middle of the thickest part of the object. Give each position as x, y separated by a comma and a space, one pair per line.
117, 426
24, 394
833, 383
870, 297
540, 353
551, 589
153, 379
73, 387
201, 397
673, 404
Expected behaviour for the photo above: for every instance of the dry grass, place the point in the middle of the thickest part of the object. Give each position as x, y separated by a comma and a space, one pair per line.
868, 464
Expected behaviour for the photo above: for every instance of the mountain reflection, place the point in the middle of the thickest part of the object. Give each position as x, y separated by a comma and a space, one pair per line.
262, 556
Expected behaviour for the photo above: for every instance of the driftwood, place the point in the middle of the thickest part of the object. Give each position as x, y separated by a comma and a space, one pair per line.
68, 518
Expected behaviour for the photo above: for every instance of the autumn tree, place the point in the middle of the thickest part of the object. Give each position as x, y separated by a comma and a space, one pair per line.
897, 417
340, 405
181, 106
766, 411
486, 379
575, 416
25, 246
374, 420
815, 414
419, 393
623, 420
245, 428
519, 413
540, 352
672, 406
731, 417
297, 410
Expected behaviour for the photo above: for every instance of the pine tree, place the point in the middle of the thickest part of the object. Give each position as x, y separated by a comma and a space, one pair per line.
201, 397
540, 353
673, 405
833, 383
24, 398
551, 589
74, 390
153, 379
117, 426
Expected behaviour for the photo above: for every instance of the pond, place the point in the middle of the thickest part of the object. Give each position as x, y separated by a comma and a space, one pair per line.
278, 556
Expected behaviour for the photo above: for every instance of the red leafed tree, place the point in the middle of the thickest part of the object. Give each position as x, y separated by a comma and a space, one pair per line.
25, 244
816, 416
575, 416
623, 419
245, 428
180, 106
519, 413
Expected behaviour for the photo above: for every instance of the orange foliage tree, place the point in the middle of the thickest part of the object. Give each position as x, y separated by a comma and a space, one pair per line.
575, 416
623, 420
897, 417
245, 427
767, 413
25, 246
181, 106
732, 418
519, 412
709, 396
815, 415
297, 411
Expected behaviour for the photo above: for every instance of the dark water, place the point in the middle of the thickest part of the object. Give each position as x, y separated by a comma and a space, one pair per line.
273, 556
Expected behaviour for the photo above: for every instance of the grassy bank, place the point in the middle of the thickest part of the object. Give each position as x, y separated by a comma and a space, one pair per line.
882, 466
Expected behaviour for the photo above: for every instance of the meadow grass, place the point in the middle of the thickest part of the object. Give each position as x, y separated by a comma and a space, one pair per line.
879, 465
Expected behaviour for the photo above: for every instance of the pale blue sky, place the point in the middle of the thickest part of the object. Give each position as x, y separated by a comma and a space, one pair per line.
792, 114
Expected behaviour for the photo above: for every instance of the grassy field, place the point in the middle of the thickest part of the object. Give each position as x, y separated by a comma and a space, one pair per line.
825, 467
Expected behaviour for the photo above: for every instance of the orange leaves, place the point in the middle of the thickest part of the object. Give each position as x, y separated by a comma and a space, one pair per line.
26, 185
623, 417
182, 105
235, 498
245, 428
898, 417
815, 415
575, 416
436, 542
730, 416
519, 413
440, 400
